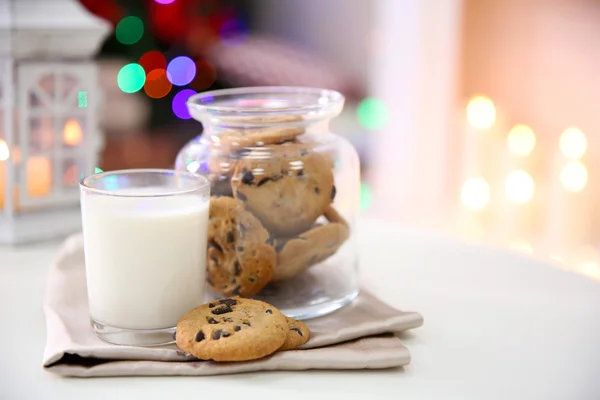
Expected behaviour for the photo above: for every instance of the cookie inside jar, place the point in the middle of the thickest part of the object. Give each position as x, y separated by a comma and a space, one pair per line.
284, 191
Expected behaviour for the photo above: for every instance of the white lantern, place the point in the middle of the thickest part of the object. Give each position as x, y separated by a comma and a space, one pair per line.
49, 134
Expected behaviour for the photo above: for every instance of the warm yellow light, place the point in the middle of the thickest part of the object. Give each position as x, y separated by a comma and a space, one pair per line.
574, 176
481, 113
519, 187
521, 140
4, 152
72, 134
573, 143
522, 246
475, 193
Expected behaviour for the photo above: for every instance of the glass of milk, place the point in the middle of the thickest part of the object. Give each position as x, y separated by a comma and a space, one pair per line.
145, 251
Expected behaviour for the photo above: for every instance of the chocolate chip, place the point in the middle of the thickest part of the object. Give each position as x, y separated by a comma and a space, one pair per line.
297, 330
223, 309
229, 302
211, 305
303, 152
333, 192
227, 320
212, 321
225, 334
300, 173
317, 190
269, 311
252, 279
263, 181
247, 177
212, 243
217, 334
241, 196
215, 260
230, 237
199, 336
240, 248
237, 328
237, 268
247, 323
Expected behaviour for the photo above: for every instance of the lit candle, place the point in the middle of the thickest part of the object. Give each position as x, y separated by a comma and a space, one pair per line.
4, 155
478, 164
569, 208
38, 172
515, 201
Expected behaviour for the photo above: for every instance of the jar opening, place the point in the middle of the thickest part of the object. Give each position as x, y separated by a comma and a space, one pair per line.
254, 105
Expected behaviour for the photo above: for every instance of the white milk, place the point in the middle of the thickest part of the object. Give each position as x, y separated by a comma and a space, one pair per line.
145, 258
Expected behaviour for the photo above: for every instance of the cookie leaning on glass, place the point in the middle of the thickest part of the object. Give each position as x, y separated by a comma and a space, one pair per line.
236, 329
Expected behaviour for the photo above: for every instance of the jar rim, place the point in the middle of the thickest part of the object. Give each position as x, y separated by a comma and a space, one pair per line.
257, 101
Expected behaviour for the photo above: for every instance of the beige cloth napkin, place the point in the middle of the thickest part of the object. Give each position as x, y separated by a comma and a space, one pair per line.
358, 336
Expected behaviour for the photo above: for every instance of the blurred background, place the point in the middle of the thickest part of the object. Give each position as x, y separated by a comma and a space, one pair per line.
473, 118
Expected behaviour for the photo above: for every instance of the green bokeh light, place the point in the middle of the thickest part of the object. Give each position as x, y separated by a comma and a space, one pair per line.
97, 170
131, 78
366, 196
129, 30
372, 113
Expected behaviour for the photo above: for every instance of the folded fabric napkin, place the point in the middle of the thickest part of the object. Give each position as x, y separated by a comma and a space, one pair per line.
358, 336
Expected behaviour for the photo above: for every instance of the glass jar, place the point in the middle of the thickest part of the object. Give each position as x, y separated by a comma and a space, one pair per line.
284, 197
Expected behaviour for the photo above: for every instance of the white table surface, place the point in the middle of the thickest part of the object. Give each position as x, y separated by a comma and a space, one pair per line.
497, 326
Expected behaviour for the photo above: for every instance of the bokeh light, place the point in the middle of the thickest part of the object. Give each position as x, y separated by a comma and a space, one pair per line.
164, 1
206, 75
4, 151
181, 71
521, 140
366, 196
519, 186
475, 193
179, 104
131, 78
157, 85
234, 32
372, 113
481, 112
97, 170
573, 143
129, 30
574, 176
152, 60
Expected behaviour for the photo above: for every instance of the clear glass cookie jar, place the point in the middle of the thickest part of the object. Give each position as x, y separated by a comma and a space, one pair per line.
284, 197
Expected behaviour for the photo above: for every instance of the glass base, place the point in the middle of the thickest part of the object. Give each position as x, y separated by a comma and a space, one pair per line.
133, 337
314, 293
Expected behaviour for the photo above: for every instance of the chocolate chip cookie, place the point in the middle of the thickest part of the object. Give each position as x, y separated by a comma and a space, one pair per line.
240, 258
298, 334
299, 253
261, 136
286, 186
232, 329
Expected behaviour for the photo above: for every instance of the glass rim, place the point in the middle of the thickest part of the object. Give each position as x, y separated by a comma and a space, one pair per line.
332, 97
85, 182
